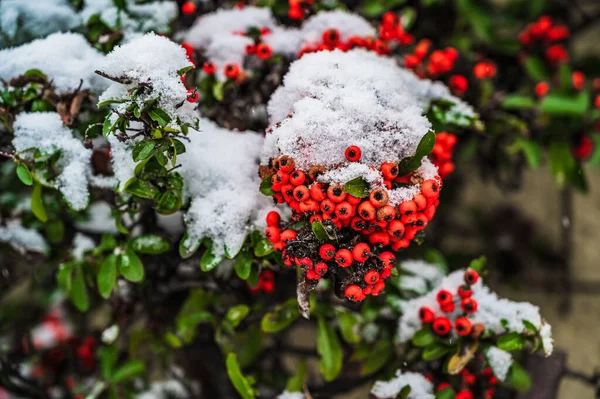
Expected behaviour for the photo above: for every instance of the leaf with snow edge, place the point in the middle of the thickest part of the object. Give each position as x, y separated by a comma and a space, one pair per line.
107, 275
459, 360
446, 393
265, 186
209, 259
108, 127
150, 244
530, 327
241, 383
357, 187
37, 204
236, 314
243, 264
24, 174
518, 378
160, 116
378, 357
169, 202
140, 188
349, 323
424, 337
412, 163
143, 150
281, 317
435, 351
130, 266
296, 382
511, 341
263, 247
518, 101
128, 371
330, 350
183, 70
478, 264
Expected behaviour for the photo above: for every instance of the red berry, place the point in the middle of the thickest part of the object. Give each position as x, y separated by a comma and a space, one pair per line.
388, 259
389, 170
318, 192
430, 188
444, 297
441, 325
297, 177
189, 7
578, 79
264, 51
411, 61
312, 275
368, 290
426, 315
396, 230
379, 237
465, 394
361, 252
358, 223
286, 164
378, 287
447, 308
232, 71
408, 208
492, 380
389, 18
327, 251
353, 153
327, 206
344, 211
541, 89
331, 37
321, 268
209, 67
367, 211
301, 193
379, 197
295, 13
484, 70
442, 385
386, 213
463, 326
343, 257
469, 305
458, 84
287, 235
272, 234
354, 293
464, 291
250, 49
371, 277
336, 193
584, 148
192, 96
471, 277
189, 49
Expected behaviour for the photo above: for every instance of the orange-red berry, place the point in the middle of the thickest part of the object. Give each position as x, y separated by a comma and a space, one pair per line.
321, 268
343, 257
273, 219
297, 177
379, 197
444, 297
288, 235
353, 153
463, 326
426, 315
471, 277
361, 252
389, 170
189, 7
344, 210
354, 293
430, 188
464, 291
379, 237
578, 80
232, 71
442, 325
209, 67
286, 164
367, 211
468, 305
336, 193
327, 206
327, 251
388, 259
272, 234
318, 192
301, 193
331, 37
264, 51
386, 213
372, 277
396, 229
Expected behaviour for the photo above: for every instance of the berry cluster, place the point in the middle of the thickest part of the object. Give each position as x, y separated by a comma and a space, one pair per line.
364, 228
441, 156
331, 40
299, 8
468, 381
430, 65
266, 282
391, 29
441, 324
545, 35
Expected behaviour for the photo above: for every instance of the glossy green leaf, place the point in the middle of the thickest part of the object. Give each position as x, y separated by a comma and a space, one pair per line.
188, 246
150, 244
446, 393
128, 371
330, 350
236, 314
518, 378
411, 163
24, 174
241, 383
319, 231
563, 105
263, 247
357, 187
349, 323
281, 317
478, 264
511, 342
78, 294
424, 337
379, 355
37, 204
296, 382
160, 116
243, 264
130, 266
141, 188
536, 69
434, 351
265, 186
209, 259
142, 150
107, 276
518, 101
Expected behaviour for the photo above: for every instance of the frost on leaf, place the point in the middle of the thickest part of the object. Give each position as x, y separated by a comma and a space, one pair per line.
66, 58
420, 387
44, 132
219, 171
498, 315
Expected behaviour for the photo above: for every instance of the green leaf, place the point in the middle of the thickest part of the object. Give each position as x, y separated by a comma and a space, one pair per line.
236, 314
265, 186
35, 73
160, 116
108, 242
328, 346
263, 247
349, 323
413, 162
142, 150
24, 174
404, 392
217, 90
150, 244
107, 127
130, 266
357, 187
511, 342
141, 188
531, 150
529, 326
79, 295
296, 383
478, 264
37, 205
243, 264
562, 164
378, 357
536, 69
128, 371
423, 337
183, 70
241, 383
188, 246
319, 231
169, 202
55, 231
518, 101
209, 259
563, 105
64, 276
434, 351
107, 276
108, 360
518, 378
281, 317
446, 393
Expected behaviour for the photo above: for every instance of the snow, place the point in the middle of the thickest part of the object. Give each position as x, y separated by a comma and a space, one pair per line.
99, 219
419, 268
499, 361
66, 58
81, 244
137, 61
284, 40
291, 395
492, 310
23, 239
45, 132
346, 23
219, 169
22, 20
170, 389
547, 340
139, 18
123, 165
420, 387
